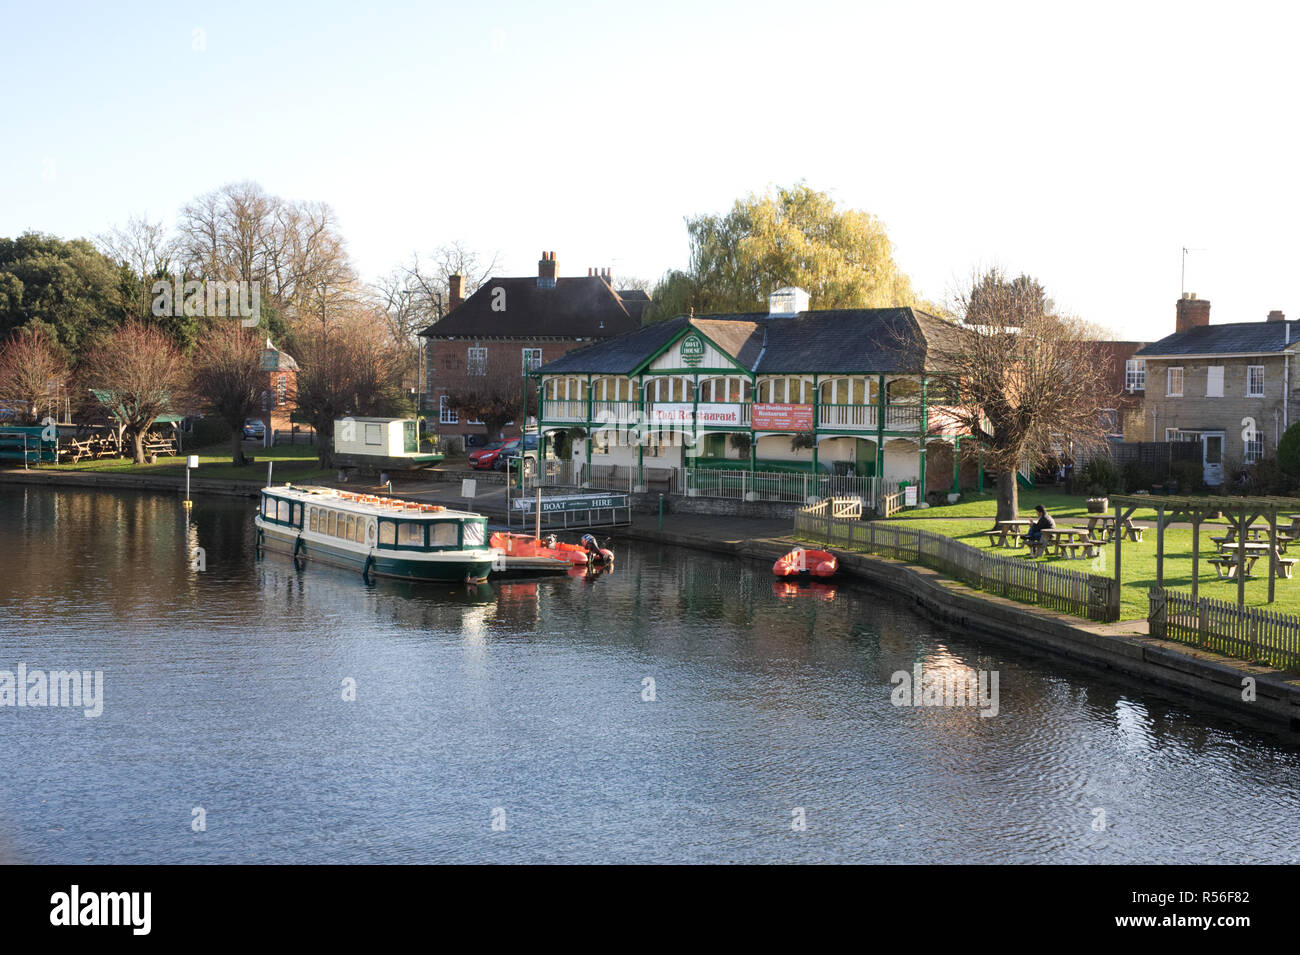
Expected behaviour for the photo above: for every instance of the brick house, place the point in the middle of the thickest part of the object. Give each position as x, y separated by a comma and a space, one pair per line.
280, 389
1225, 386
1125, 380
493, 338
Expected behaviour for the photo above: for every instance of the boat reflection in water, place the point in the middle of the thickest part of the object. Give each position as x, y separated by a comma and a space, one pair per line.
792, 590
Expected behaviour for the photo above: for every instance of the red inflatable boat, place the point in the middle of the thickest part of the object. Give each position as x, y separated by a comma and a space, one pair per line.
800, 562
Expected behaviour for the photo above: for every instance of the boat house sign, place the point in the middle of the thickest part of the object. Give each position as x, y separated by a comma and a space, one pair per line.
692, 350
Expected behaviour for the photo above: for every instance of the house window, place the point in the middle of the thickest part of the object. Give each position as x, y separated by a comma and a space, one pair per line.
281, 387
476, 361
446, 415
532, 359
1254, 381
1110, 420
1174, 383
373, 435
1135, 375
1213, 381
1254, 449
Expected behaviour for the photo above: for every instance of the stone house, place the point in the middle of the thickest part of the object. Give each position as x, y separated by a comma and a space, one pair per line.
1227, 387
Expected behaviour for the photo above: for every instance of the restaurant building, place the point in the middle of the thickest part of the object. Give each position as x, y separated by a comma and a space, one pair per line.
846, 392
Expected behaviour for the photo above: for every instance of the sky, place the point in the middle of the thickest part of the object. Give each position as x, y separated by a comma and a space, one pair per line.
1086, 145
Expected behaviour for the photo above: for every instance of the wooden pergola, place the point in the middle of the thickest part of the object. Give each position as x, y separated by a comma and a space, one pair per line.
1240, 513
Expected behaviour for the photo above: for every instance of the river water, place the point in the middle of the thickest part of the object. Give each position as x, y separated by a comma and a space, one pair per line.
514, 722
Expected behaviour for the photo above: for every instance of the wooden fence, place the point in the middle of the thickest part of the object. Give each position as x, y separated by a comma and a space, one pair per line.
1027, 581
1247, 633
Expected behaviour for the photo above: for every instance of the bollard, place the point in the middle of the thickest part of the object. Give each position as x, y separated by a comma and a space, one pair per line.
661, 512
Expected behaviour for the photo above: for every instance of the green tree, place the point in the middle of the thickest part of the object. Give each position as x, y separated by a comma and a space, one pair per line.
792, 236
66, 287
1288, 451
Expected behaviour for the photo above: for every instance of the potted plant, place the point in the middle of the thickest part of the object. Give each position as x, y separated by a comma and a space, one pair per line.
802, 441
741, 443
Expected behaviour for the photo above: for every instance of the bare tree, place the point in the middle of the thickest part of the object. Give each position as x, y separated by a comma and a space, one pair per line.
494, 403
228, 377
352, 370
140, 374
148, 253
32, 369
429, 282
1023, 378
295, 250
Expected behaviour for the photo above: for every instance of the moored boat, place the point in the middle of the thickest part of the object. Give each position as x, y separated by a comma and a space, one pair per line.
801, 562
380, 536
525, 545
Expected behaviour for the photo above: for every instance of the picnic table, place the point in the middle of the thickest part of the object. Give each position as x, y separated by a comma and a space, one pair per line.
1107, 523
1007, 530
1254, 551
1068, 542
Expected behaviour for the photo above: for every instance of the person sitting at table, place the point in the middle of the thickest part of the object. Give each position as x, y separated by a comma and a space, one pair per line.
1045, 522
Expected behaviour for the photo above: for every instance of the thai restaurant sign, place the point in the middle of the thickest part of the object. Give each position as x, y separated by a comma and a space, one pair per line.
684, 413
780, 417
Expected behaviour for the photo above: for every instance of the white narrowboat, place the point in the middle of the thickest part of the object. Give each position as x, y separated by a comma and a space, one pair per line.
379, 536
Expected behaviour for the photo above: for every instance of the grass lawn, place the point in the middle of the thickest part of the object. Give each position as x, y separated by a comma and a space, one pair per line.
968, 519
292, 463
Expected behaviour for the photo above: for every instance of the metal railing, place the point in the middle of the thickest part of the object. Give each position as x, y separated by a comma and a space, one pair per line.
737, 485
1247, 633
1027, 581
902, 417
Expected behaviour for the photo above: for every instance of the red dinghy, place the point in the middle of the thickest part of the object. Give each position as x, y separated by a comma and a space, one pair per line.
800, 562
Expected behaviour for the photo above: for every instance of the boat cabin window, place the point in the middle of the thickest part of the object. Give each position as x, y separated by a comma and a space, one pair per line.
268, 507
387, 534
311, 519
444, 534
330, 530
282, 511
472, 534
410, 534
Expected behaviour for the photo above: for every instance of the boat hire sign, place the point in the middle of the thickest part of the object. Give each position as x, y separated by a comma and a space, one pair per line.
706, 415
782, 417
572, 502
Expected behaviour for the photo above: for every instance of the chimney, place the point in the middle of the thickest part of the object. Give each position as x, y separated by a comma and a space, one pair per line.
1193, 312
456, 286
546, 271
1276, 316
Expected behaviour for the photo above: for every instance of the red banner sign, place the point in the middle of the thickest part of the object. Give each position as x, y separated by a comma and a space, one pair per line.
776, 417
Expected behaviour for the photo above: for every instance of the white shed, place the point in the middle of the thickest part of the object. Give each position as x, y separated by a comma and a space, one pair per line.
377, 437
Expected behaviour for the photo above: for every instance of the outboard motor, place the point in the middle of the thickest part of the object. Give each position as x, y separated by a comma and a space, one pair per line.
595, 553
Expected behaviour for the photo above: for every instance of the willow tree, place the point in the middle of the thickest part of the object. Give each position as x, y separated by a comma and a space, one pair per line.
1026, 380
790, 236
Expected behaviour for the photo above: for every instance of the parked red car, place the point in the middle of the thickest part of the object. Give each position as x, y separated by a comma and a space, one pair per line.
488, 458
